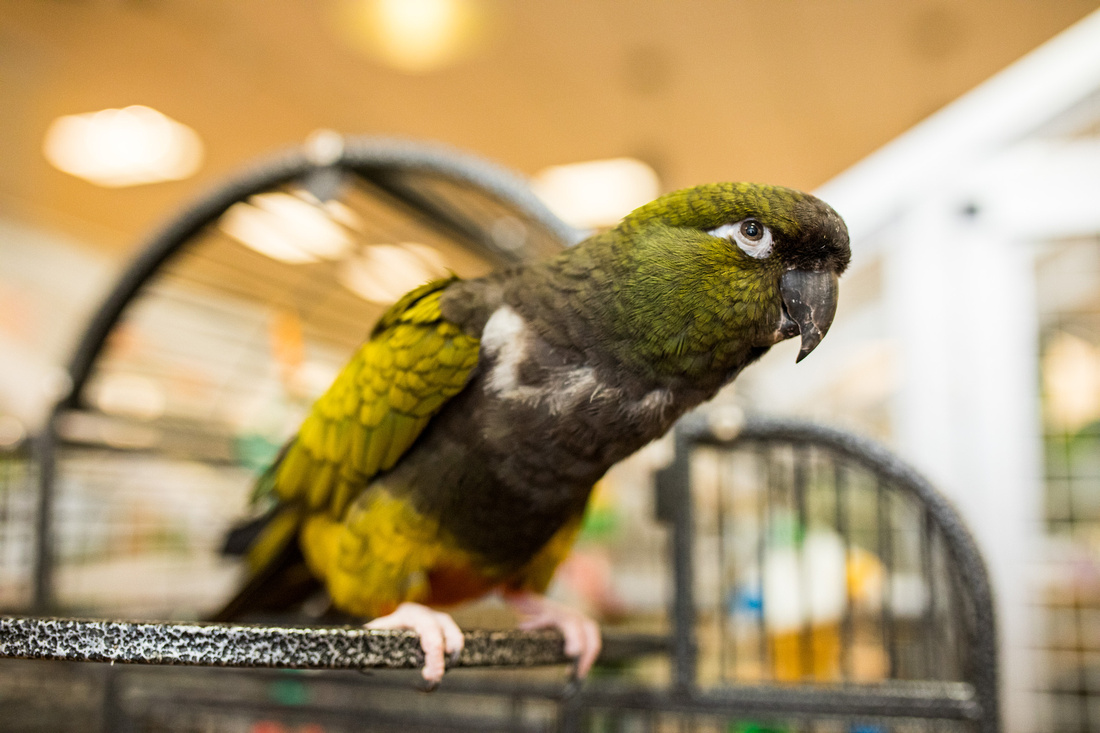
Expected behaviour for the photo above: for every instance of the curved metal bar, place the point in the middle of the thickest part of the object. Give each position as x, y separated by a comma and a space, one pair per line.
224, 645
961, 545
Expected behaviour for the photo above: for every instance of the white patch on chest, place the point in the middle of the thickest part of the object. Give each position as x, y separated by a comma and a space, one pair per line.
656, 401
506, 340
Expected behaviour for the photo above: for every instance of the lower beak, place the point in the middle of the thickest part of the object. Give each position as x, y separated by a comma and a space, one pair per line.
810, 298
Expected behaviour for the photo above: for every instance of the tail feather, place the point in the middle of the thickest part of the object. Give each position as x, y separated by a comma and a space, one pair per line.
242, 536
282, 583
279, 578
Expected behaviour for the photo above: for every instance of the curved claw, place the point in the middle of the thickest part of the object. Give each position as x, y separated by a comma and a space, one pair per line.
438, 633
582, 634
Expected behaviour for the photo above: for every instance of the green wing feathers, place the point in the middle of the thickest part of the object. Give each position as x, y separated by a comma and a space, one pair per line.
382, 400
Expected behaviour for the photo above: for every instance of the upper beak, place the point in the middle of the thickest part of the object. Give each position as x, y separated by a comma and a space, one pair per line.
810, 297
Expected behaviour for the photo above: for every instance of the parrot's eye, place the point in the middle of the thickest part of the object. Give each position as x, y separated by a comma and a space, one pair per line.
750, 235
752, 230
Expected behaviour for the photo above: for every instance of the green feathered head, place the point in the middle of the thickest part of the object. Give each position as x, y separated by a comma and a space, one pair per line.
765, 222
768, 255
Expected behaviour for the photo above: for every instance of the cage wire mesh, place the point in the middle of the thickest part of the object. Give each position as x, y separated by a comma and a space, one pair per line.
829, 596
812, 568
664, 721
1068, 596
818, 562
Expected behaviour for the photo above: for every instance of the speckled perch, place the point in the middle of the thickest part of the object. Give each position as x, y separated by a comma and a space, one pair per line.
224, 645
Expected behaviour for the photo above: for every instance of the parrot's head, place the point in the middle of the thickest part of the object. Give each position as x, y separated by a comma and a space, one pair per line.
773, 254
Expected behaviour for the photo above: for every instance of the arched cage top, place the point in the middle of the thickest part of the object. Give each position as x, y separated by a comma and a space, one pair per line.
463, 199
230, 321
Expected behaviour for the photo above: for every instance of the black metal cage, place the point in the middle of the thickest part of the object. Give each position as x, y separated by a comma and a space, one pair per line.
935, 649
816, 583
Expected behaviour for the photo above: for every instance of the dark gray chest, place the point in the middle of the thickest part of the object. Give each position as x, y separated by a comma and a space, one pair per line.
515, 455
581, 414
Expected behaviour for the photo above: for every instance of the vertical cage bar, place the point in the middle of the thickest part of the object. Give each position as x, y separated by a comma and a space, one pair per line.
725, 583
764, 500
44, 450
841, 487
678, 503
886, 555
929, 612
800, 458
963, 622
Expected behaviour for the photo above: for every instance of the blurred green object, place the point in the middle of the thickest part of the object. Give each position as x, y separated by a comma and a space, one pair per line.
751, 727
256, 451
289, 692
600, 523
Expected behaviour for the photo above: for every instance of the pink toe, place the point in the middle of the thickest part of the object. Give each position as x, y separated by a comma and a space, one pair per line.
438, 633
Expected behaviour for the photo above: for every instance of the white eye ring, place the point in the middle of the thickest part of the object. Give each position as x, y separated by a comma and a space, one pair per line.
758, 248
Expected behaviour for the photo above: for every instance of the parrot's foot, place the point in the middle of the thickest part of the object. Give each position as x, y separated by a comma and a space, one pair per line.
582, 634
438, 632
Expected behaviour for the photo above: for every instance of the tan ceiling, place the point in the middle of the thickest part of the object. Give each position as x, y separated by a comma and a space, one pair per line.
783, 91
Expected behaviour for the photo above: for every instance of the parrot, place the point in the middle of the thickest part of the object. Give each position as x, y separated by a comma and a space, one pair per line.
454, 455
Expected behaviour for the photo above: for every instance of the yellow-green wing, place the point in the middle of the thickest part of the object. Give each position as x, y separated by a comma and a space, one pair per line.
413, 363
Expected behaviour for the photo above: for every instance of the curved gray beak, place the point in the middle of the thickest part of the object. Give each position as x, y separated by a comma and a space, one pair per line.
810, 297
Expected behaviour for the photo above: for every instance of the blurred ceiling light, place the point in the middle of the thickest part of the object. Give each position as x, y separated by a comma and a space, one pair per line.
84, 427
344, 214
337, 210
1071, 381
12, 432
286, 228
382, 273
415, 36
130, 395
596, 193
324, 146
123, 147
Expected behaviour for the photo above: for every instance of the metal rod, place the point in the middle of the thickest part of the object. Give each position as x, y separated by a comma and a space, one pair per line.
763, 497
683, 547
44, 450
840, 486
927, 700
886, 555
725, 584
223, 645
800, 458
931, 638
